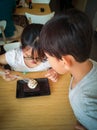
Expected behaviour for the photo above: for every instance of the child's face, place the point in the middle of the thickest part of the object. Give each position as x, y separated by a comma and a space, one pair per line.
29, 61
58, 65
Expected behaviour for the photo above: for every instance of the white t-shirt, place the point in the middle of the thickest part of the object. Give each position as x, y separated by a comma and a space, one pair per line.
15, 59
83, 99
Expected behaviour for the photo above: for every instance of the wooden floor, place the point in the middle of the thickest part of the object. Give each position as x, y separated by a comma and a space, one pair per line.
51, 112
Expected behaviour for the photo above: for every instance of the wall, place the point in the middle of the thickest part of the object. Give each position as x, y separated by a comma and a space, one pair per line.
91, 9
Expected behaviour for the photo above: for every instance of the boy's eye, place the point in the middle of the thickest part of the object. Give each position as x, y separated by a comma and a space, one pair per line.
44, 59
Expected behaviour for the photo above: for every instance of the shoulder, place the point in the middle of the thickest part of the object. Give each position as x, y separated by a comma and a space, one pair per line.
14, 53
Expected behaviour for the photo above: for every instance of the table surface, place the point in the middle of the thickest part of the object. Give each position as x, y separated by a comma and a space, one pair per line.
52, 112
35, 10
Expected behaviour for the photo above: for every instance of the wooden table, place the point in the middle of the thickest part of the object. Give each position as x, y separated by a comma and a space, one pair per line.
52, 112
34, 10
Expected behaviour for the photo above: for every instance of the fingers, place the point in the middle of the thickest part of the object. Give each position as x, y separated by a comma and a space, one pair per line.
52, 75
54, 79
8, 76
80, 128
7, 71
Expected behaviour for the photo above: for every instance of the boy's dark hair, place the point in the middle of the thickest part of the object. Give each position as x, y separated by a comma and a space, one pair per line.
68, 34
30, 37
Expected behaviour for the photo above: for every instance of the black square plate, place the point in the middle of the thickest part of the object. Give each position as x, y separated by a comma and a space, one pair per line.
42, 88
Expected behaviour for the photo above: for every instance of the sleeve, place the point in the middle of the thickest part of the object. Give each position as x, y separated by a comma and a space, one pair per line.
10, 57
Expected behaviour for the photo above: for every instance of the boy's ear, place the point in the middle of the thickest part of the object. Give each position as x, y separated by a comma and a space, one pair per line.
68, 60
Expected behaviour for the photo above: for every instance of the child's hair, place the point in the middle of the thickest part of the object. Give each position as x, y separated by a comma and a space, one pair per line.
30, 37
68, 34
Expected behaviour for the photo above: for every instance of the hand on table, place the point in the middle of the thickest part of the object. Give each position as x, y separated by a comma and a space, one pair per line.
79, 126
52, 75
8, 76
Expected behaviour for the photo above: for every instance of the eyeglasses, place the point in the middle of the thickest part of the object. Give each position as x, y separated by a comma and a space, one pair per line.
37, 59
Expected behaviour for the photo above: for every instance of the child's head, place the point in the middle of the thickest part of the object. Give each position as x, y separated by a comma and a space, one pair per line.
68, 34
30, 42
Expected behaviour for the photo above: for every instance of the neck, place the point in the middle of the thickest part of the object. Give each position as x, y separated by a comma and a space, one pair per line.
81, 69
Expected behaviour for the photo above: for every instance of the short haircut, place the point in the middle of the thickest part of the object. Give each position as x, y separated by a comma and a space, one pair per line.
68, 34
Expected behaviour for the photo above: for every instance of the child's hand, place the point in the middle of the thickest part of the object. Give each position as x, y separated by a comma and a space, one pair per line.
79, 127
8, 76
52, 75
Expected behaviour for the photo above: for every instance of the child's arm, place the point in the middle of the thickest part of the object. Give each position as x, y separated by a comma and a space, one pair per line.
8, 76
3, 59
52, 75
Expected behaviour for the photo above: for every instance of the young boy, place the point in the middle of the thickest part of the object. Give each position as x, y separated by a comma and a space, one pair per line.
66, 41
29, 57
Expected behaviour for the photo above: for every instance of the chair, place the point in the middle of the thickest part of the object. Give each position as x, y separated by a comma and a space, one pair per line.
41, 1
10, 46
39, 19
5, 44
5, 40
2, 28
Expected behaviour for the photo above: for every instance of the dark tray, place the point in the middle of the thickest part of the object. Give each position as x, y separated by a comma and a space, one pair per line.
22, 90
